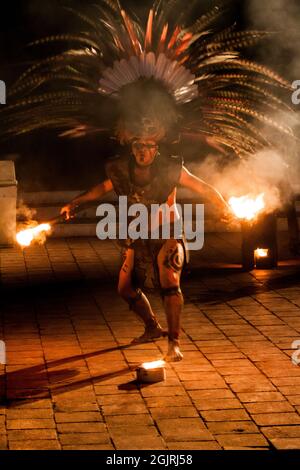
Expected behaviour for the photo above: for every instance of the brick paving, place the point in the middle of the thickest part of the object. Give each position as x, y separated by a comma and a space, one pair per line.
69, 382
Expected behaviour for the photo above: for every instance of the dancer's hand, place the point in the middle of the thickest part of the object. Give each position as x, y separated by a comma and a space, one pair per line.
68, 210
227, 216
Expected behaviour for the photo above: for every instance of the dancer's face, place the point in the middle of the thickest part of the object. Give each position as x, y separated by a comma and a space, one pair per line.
144, 151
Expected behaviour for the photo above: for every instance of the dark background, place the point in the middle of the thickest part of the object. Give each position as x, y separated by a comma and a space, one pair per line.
43, 161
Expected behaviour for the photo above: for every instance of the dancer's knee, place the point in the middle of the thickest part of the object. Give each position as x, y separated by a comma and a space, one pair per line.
170, 291
130, 295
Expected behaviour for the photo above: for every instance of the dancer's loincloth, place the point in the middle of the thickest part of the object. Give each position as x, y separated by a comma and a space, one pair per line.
145, 272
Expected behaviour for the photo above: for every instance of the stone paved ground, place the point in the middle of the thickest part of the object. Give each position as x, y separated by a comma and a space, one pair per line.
69, 379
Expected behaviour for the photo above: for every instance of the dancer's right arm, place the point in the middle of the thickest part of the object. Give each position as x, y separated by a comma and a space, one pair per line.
93, 194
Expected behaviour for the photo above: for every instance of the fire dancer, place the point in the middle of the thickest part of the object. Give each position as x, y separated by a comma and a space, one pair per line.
149, 177
146, 84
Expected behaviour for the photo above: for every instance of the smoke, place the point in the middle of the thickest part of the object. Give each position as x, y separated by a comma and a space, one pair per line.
25, 214
282, 52
266, 172
281, 17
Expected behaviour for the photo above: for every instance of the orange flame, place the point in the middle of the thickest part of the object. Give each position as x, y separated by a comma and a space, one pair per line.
153, 365
261, 253
25, 237
246, 207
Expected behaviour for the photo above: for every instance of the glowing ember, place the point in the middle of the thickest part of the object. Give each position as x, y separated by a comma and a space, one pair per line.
261, 253
246, 207
25, 237
153, 365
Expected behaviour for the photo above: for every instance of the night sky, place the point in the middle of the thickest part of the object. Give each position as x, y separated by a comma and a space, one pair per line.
42, 160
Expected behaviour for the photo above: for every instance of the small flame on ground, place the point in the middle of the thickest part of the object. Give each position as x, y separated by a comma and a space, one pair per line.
153, 365
261, 253
246, 207
25, 237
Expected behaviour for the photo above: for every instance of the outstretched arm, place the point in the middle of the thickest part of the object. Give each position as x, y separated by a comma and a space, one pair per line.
93, 194
190, 181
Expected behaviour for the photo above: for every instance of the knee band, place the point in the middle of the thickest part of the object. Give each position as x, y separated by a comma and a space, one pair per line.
132, 300
171, 291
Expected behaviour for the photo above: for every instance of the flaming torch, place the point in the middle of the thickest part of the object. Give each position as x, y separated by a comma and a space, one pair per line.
247, 208
25, 237
259, 232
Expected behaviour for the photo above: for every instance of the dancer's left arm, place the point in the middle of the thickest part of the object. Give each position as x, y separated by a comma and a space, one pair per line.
208, 192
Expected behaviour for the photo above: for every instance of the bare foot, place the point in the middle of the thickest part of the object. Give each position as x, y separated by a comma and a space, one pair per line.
174, 354
150, 334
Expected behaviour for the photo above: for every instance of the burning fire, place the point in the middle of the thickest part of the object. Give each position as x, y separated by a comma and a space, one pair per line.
25, 237
246, 207
153, 365
261, 252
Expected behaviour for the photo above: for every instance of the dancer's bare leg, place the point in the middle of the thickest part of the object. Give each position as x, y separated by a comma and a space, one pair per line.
170, 262
137, 300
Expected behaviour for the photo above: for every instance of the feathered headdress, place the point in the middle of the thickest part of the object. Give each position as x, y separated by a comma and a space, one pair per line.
132, 80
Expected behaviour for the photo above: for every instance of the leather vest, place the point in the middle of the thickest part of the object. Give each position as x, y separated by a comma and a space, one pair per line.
165, 177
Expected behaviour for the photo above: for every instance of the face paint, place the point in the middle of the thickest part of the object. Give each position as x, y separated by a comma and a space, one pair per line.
144, 151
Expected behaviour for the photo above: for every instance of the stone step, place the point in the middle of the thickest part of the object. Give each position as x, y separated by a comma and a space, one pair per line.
47, 205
